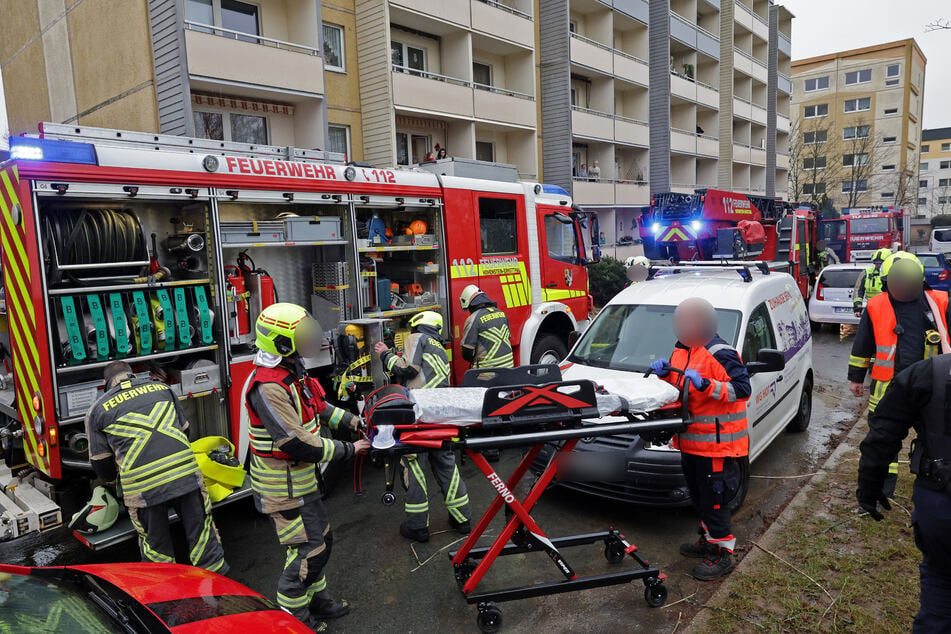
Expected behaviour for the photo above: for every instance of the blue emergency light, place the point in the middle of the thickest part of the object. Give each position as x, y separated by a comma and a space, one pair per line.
24, 148
554, 189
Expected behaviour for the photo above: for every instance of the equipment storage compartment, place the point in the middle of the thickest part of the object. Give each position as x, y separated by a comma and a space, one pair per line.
252, 232
312, 228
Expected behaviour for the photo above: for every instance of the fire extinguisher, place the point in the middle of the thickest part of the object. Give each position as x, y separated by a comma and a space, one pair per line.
259, 285
237, 297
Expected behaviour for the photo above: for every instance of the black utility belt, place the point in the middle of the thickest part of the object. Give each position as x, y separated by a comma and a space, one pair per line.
935, 475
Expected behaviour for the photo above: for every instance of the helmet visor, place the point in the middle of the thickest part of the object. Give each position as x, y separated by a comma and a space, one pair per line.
307, 337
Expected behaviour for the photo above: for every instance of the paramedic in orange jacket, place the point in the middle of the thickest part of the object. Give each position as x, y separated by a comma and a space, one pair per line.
717, 435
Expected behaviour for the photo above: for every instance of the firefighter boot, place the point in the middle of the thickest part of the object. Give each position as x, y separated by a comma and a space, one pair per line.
714, 566
416, 534
463, 528
309, 620
324, 607
700, 548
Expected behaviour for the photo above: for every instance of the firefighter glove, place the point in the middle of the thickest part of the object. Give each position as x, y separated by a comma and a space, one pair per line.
870, 495
695, 379
660, 367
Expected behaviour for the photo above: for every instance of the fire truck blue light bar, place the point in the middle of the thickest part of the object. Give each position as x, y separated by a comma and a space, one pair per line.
52, 150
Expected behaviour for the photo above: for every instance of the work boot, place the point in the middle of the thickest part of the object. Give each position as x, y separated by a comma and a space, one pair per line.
700, 548
463, 528
714, 566
420, 535
492, 455
328, 608
309, 620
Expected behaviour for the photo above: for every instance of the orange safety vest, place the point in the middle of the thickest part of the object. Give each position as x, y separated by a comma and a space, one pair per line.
882, 314
719, 428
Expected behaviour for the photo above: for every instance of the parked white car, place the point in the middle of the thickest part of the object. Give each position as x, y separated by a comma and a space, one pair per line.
765, 312
832, 294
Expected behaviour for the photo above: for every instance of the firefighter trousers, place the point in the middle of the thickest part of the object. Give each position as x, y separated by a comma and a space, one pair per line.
201, 535
876, 392
305, 533
712, 482
443, 465
931, 519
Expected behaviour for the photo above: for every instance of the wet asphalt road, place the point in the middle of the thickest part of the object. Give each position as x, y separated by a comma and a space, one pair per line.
378, 572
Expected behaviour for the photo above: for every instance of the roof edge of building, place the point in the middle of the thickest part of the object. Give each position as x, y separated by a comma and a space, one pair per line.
858, 51
936, 134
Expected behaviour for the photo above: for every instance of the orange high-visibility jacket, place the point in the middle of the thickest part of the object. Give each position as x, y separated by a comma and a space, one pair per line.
882, 315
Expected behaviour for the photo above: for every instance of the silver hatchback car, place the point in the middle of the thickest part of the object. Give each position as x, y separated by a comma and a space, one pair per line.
831, 301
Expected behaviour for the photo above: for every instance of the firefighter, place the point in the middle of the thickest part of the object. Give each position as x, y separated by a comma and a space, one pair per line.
717, 437
137, 428
869, 283
486, 338
919, 397
285, 410
425, 364
900, 326
826, 255
637, 269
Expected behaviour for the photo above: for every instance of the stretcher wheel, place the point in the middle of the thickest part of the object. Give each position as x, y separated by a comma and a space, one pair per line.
489, 618
389, 498
614, 552
655, 594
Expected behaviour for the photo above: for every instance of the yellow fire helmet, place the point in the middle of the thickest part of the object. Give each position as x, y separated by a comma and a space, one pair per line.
427, 318
901, 255
284, 329
468, 294
221, 470
881, 255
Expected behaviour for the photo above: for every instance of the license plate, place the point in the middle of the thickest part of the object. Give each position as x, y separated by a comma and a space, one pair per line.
843, 309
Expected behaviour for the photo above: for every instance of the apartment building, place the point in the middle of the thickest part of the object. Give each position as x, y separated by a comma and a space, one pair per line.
857, 126
934, 174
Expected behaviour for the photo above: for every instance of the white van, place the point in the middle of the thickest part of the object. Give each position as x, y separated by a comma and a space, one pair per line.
756, 311
940, 240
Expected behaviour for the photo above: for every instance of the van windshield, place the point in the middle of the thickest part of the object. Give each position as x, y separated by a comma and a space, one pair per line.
629, 337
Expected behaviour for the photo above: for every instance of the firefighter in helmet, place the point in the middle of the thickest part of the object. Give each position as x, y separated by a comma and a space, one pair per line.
286, 409
486, 338
637, 268
869, 283
425, 364
138, 429
900, 326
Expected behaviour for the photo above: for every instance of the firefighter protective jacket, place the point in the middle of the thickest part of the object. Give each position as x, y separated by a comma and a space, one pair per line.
877, 337
869, 284
424, 362
719, 427
284, 424
487, 340
140, 423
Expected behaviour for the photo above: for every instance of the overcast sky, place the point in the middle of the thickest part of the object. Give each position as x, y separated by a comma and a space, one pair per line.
827, 26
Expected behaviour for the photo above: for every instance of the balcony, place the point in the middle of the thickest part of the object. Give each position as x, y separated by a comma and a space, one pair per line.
757, 156
508, 106
782, 123
782, 161
630, 68
708, 145
455, 11
749, 65
751, 21
690, 89
631, 131
592, 123
758, 114
217, 55
683, 141
599, 192
741, 153
500, 20
591, 53
683, 188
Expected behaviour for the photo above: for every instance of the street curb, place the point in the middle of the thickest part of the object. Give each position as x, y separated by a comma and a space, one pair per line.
785, 520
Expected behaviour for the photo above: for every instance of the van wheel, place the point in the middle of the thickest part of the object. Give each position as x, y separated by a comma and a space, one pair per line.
800, 422
549, 349
743, 464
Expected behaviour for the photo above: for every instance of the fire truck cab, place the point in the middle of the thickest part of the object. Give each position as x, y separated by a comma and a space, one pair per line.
858, 233
162, 250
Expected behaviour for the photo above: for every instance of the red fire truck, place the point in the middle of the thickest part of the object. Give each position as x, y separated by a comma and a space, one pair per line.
162, 250
713, 224
856, 235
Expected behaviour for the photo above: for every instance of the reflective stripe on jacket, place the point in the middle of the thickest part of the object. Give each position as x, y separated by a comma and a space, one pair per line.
882, 315
487, 333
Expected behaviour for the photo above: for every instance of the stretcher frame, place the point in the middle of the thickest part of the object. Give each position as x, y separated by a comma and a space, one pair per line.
471, 564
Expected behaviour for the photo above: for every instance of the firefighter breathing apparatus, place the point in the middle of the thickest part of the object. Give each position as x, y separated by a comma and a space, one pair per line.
99, 513
353, 362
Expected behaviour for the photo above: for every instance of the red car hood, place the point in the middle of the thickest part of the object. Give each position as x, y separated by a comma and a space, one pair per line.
152, 583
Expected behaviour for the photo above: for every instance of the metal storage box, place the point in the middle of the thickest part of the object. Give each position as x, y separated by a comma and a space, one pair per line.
75, 400
250, 231
202, 378
312, 228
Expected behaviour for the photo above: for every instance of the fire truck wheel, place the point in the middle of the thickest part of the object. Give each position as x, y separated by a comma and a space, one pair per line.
489, 619
549, 349
655, 594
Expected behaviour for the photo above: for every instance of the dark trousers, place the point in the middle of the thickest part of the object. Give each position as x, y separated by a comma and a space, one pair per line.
305, 533
453, 487
712, 482
932, 522
201, 535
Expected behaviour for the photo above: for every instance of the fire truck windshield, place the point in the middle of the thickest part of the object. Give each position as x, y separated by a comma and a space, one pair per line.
862, 226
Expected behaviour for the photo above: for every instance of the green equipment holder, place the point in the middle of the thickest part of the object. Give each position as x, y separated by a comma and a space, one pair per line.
74, 332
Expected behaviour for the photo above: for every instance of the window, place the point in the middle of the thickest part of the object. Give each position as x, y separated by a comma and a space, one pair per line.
922, 183
889, 139
944, 200
209, 125
856, 132
814, 163
858, 105
891, 111
925, 148
481, 74
485, 151
408, 59
888, 168
819, 83
247, 128
231, 126
944, 182
338, 139
858, 77
922, 201
497, 226
759, 333
561, 238
860, 185
818, 110
572, 26
574, 97
200, 11
855, 160
814, 189
241, 17
923, 167
946, 147
888, 194
819, 136
944, 165
893, 70
333, 48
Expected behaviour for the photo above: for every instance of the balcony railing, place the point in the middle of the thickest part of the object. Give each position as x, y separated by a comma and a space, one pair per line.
250, 37
610, 181
505, 7
633, 57
693, 79
588, 40
630, 120
597, 113
503, 91
752, 13
428, 75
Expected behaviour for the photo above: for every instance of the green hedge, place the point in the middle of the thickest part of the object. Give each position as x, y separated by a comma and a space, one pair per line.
607, 278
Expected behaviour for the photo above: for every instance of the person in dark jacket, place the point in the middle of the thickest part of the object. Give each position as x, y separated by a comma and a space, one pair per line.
918, 397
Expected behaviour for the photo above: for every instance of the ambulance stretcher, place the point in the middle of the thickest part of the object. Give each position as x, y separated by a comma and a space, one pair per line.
535, 410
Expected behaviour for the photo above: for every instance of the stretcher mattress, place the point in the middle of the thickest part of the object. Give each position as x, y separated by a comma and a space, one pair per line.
463, 405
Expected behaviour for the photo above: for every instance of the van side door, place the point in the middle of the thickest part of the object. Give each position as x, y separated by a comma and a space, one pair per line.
762, 408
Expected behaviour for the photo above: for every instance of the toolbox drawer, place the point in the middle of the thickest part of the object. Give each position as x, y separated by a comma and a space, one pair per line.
202, 378
312, 228
256, 232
